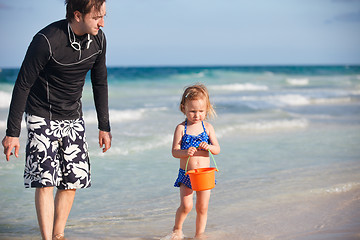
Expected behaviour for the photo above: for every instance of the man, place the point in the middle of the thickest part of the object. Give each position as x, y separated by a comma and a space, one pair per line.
49, 89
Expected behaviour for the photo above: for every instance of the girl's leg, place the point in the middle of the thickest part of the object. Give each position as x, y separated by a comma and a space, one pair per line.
202, 204
186, 204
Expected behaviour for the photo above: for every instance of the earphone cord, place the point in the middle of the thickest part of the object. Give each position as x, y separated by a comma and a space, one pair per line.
72, 43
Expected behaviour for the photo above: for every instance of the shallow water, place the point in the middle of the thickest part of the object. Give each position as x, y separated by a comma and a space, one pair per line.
289, 158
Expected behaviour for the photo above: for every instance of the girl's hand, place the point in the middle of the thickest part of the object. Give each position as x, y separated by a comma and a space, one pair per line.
204, 146
191, 151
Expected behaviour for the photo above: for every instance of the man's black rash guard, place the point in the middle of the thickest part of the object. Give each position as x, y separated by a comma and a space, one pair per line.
52, 76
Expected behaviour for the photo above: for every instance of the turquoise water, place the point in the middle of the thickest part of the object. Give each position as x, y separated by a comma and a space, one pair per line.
289, 162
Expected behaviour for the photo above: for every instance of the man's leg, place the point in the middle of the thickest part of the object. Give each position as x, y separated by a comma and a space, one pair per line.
44, 203
75, 171
63, 203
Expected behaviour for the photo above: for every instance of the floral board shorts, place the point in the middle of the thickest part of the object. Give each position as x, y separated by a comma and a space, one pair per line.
56, 154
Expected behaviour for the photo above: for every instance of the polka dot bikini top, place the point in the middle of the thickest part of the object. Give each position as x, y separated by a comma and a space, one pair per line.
194, 141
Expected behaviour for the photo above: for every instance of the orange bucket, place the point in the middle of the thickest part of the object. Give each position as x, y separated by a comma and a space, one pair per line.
202, 178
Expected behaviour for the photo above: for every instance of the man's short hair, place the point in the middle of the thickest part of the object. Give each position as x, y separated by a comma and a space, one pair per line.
83, 6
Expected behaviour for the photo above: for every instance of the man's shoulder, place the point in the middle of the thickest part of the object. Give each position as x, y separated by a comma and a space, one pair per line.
54, 30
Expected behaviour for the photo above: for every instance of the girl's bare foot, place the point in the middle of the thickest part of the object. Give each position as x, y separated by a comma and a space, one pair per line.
177, 234
200, 236
59, 236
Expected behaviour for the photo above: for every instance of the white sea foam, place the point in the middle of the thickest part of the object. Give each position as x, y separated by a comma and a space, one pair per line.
240, 87
5, 99
124, 150
331, 100
276, 124
292, 99
263, 126
341, 188
338, 188
355, 92
298, 81
126, 115
117, 116
299, 100
281, 100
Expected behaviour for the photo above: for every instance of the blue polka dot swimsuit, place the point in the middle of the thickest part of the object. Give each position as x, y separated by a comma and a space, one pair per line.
186, 142
193, 141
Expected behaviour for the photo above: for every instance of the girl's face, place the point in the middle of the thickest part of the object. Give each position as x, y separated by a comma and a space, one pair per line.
195, 110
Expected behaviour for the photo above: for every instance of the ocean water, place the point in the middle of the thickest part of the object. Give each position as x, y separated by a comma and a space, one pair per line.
289, 162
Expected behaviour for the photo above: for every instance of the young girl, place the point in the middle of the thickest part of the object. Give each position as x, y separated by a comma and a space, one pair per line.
194, 137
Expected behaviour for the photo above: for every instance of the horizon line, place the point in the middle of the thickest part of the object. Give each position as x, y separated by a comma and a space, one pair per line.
218, 65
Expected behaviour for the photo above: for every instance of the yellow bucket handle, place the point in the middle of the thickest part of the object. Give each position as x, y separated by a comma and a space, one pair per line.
212, 156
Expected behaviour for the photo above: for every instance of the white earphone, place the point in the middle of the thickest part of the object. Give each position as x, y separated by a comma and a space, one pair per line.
75, 45
88, 42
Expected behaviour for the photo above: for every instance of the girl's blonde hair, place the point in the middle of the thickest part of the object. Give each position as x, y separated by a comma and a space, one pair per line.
196, 92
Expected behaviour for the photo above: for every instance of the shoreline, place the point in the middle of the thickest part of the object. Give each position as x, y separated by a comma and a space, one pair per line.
330, 216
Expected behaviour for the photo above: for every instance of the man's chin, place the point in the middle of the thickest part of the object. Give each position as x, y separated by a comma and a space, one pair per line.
94, 33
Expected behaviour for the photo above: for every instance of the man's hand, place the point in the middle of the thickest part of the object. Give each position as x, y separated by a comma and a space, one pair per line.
105, 139
9, 143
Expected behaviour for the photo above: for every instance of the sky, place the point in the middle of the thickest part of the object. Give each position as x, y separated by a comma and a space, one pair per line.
202, 32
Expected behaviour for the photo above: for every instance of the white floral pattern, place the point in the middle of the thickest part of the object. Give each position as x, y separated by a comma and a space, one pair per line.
56, 154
